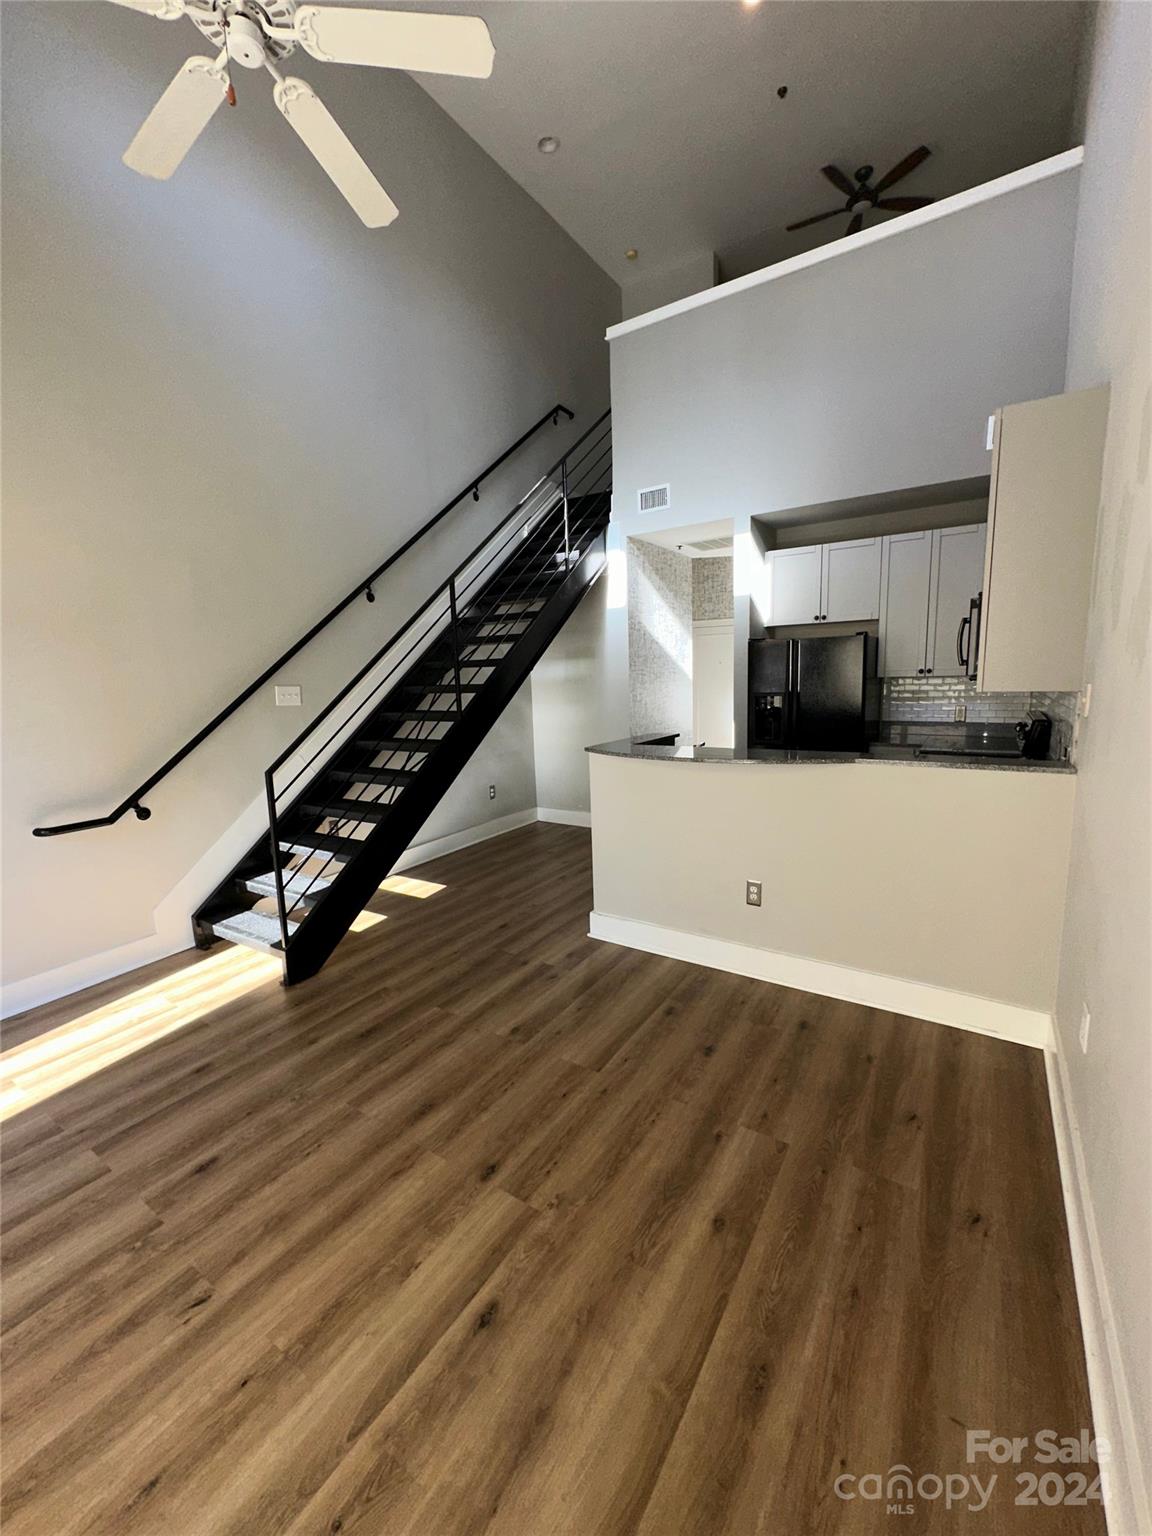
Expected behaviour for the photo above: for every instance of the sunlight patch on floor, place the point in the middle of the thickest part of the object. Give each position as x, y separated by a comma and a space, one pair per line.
365, 920
407, 885
34, 1071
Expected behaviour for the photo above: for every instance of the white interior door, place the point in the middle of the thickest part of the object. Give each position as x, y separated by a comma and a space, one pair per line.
851, 585
957, 575
905, 585
795, 585
712, 683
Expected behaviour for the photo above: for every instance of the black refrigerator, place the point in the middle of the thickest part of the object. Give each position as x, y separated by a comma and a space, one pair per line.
819, 694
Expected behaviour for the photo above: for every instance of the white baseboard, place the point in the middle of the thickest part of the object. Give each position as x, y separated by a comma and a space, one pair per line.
18, 996
564, 818
895, 994
1126, 1480
173, 922
452, 842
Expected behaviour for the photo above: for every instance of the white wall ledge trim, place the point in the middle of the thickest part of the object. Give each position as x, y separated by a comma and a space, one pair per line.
894, 994
1056, 165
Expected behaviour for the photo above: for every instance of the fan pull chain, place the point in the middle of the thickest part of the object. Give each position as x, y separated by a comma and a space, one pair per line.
230, 93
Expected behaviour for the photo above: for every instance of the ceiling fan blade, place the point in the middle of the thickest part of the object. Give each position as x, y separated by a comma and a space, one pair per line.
440, 45
904, 204
165, 10
335, 151
178, 119
856, 224
838, 179
907, 165
815, 219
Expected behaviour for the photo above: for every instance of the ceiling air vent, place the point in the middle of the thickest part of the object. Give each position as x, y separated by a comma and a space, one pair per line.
708, 546
655, 498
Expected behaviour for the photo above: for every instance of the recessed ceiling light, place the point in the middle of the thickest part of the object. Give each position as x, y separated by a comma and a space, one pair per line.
631, 253
749, 5
548, 145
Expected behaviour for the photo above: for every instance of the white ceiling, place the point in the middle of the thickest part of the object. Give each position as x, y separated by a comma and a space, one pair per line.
674, 141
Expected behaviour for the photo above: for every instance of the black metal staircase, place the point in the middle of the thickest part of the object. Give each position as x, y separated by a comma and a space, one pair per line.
346, 798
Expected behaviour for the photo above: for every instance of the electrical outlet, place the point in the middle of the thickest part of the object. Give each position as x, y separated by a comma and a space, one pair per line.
491, 791
752, 892
1085, 1025
960, 712
288, 697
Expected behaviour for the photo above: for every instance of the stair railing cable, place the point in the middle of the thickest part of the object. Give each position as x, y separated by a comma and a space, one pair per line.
425, 630
133, 802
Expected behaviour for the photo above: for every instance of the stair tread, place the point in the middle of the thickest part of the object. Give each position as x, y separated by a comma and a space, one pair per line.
418, 714
371, 775
348, 810
255, 930
294, 885
322, 842
450, 687
422, 744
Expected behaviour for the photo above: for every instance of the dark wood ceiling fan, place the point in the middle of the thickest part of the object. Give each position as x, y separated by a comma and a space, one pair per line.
862, 196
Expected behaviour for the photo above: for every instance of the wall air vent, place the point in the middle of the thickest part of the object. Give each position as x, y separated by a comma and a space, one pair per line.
709, 546
655, 498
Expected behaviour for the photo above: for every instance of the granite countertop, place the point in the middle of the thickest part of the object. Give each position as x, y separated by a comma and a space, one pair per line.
902, 753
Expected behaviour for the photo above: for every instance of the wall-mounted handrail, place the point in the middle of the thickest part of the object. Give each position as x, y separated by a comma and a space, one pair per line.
132, 801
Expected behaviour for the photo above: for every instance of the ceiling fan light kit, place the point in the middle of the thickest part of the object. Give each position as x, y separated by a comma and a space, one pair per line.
257, 35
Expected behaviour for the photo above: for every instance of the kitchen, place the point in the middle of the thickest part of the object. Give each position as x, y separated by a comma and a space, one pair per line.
885, 626
948, 633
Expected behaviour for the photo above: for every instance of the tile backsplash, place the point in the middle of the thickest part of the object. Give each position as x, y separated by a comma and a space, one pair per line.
927, 699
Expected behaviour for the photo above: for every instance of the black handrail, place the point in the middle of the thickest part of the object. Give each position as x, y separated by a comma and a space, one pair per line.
132, 803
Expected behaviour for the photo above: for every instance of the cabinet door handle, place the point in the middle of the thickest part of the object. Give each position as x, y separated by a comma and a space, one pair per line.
816, 618
965, 623
823, 616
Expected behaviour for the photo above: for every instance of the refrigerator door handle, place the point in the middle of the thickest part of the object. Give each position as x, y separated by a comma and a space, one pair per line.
972, 663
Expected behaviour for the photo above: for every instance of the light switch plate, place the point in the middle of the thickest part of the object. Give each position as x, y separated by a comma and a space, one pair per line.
288, 697
1085, 1025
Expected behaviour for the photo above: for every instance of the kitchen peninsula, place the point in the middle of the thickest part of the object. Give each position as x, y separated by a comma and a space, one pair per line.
928, 887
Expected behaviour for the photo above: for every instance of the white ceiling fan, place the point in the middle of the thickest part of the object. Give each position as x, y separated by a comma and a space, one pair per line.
258, 34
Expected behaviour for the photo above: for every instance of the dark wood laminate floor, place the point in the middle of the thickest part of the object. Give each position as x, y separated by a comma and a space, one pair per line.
495, 1229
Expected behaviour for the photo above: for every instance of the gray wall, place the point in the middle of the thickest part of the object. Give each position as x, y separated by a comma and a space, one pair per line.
1106, 963
712, 588
580, 693
866, 373
224, 401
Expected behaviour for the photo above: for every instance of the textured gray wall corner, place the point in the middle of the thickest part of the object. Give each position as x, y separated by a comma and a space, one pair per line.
712, 589
659, 638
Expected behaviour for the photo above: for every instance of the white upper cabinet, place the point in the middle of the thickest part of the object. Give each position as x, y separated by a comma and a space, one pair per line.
928, 582
850, 580
1041, 538
957, 575
906, 580
818, 583
795, 577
